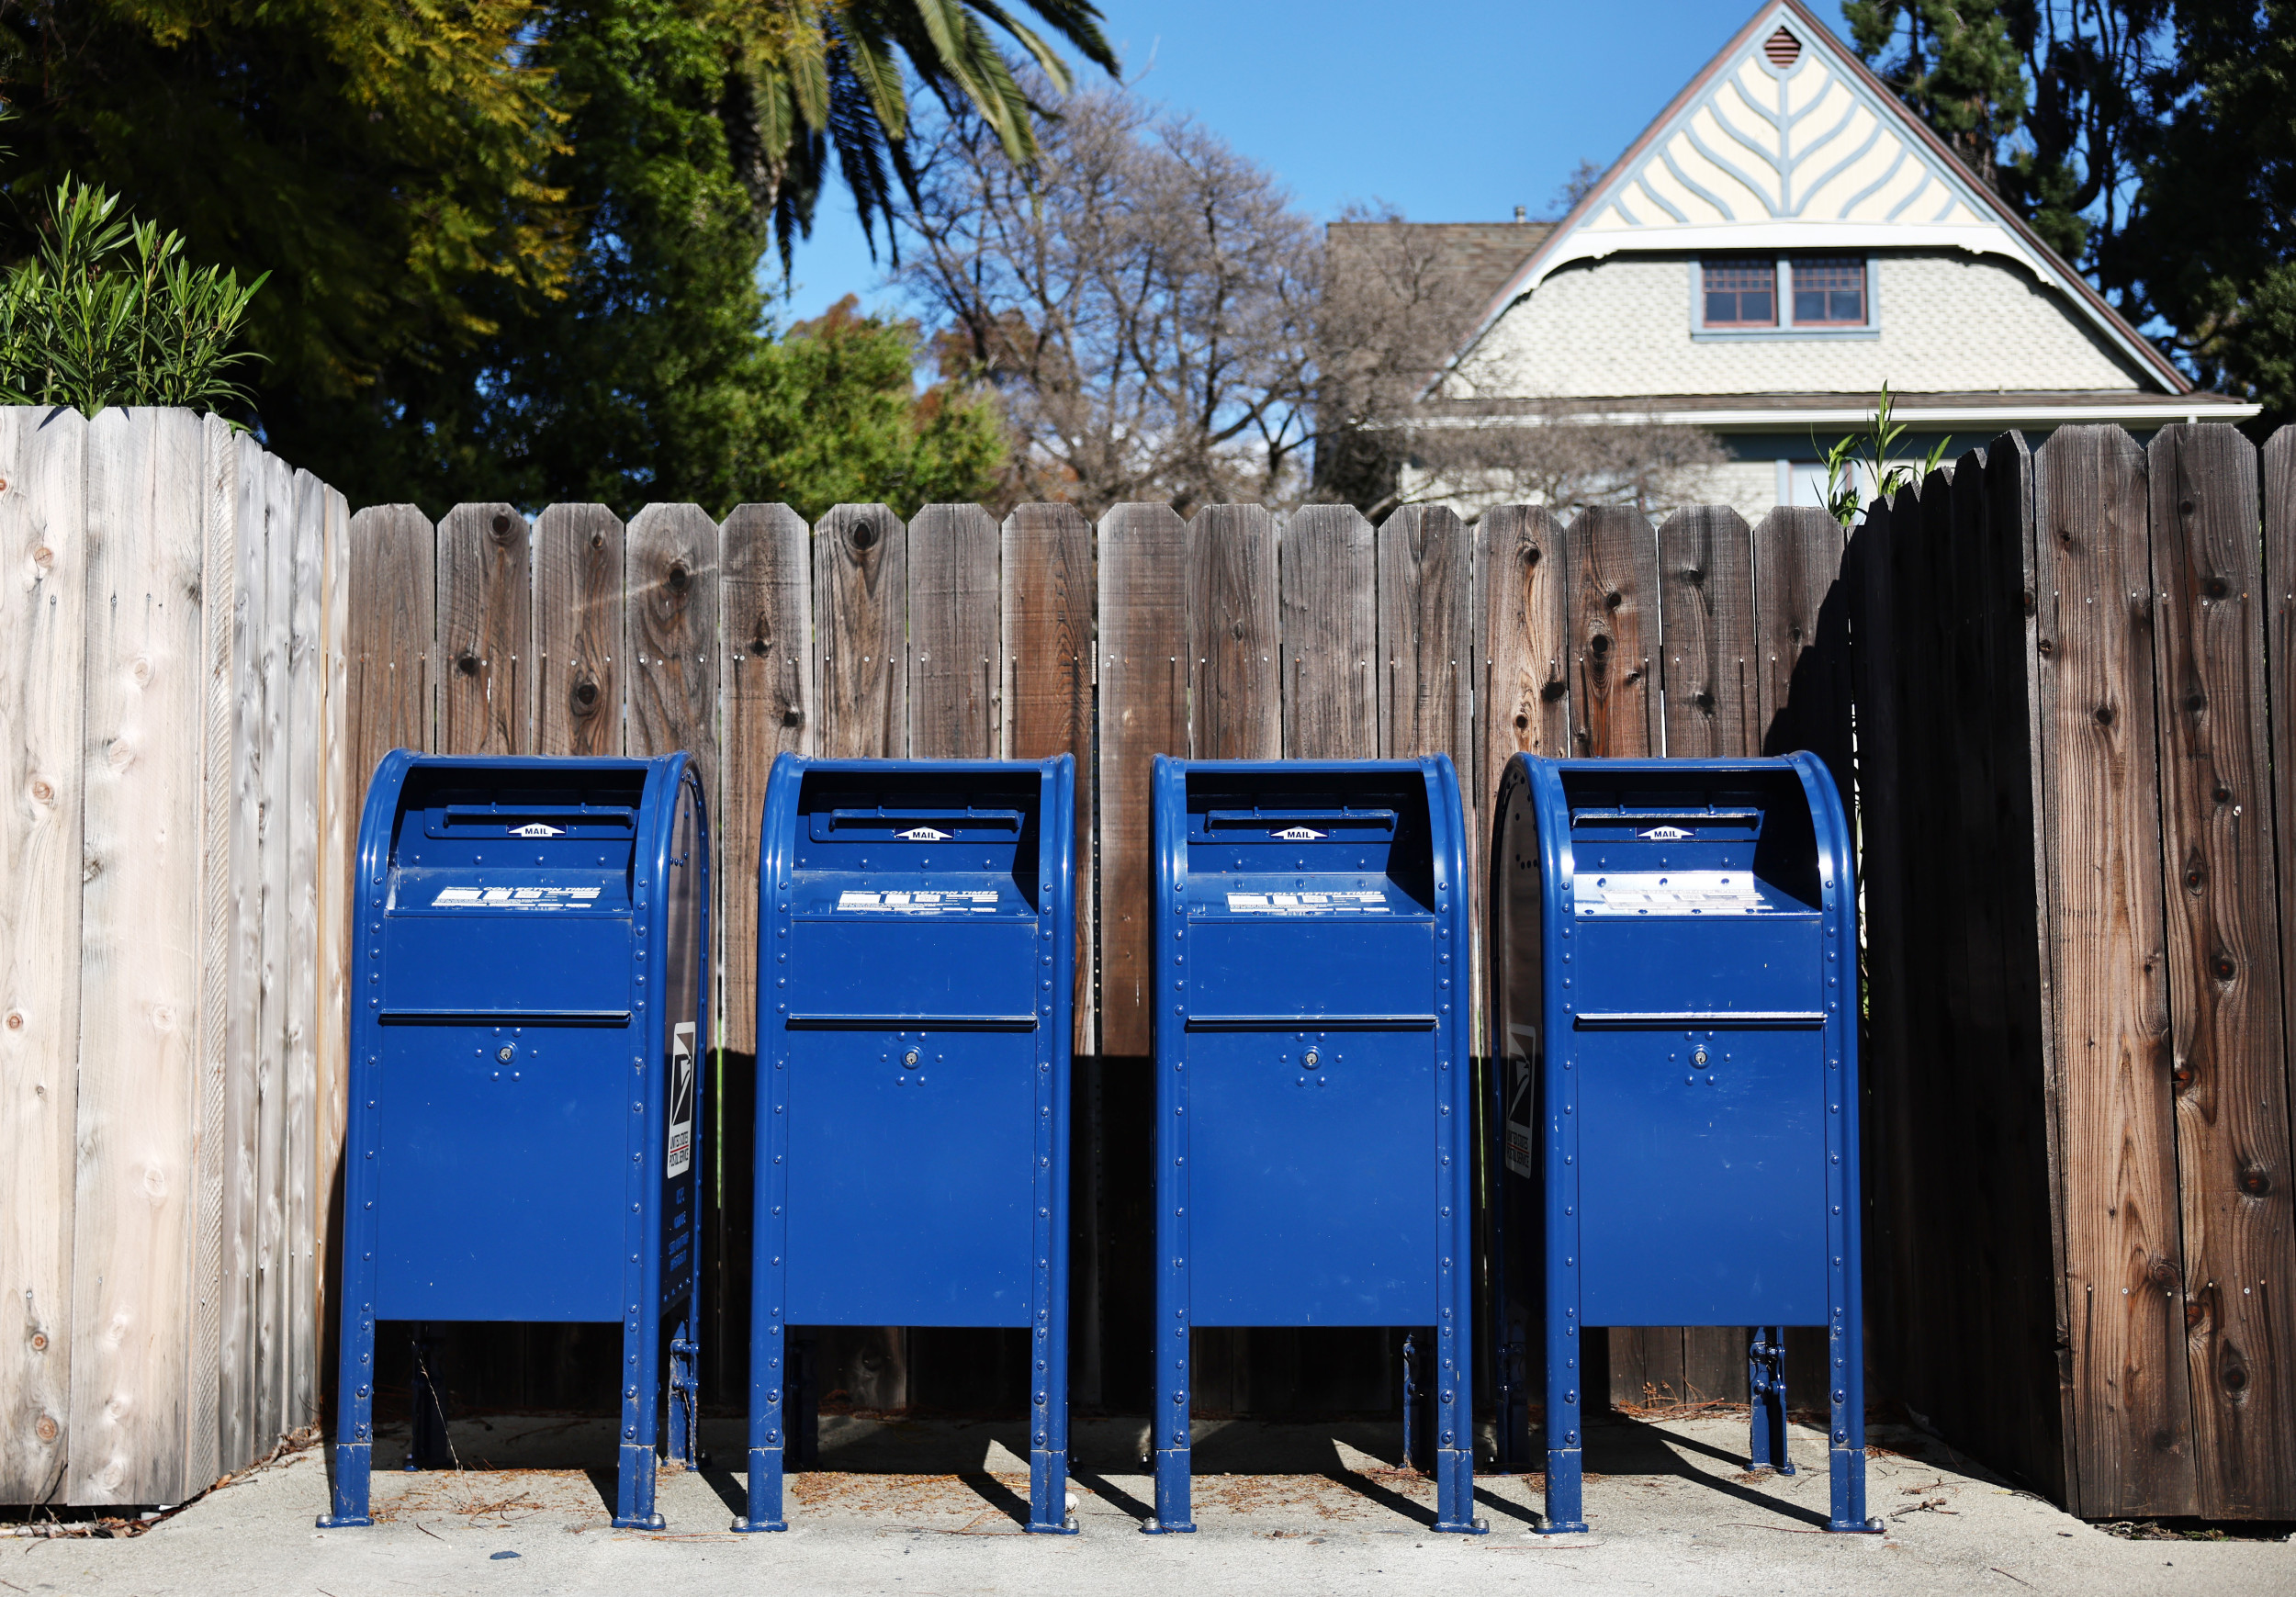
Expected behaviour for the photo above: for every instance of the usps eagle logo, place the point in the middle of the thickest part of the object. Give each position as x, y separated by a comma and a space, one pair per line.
537, 829
1665, 834
1297, 834
923, 835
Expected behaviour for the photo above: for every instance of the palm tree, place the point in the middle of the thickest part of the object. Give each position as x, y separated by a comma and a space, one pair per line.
817, 75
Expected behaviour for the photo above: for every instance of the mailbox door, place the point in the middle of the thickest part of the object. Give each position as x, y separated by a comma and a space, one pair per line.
498, 1196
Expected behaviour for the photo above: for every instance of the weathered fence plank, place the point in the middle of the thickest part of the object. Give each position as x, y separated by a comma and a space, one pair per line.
2227, 1037
340, 805
1614, 629
44, 619
1329, 620
393, 638
1233, 642
2122, 1252
956, 634
580, 587
275, 758
1523, 703
1143, 712
861, 571
139, 948
1045, 657
299, 1345
1426, 639
670, 655
2277, 583
1801, 639
486, 696
765, 591
1710, 681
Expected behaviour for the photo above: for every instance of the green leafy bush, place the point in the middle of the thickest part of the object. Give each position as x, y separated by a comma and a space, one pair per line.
110, 313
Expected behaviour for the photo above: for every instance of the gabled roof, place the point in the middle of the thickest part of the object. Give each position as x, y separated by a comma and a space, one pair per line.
1786, 142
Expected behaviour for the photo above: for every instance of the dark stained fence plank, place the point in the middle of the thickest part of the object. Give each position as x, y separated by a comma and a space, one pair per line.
1329, 623
2123, 1256
486, 632
766, 652
1613, 631
578, 619
1236, 703
1801, 642
861, 588
1143, 712
1711, 679
955, 634
2227, 1036
2279, 583
1046, 574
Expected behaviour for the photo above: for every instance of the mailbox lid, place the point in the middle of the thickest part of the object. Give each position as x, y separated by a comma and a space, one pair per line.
914, 894
1309, 893
510, 893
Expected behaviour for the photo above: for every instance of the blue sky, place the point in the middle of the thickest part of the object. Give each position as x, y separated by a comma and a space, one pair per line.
1454, 110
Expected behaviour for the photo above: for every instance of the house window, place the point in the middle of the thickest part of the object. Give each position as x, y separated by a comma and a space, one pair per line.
1829, 291
1741, 293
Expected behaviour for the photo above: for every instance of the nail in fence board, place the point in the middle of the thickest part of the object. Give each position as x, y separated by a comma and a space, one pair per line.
580, 660
956, 634
2122, 1251
860, 569
1330, 624
766, 649
1613, 631
140, 943
44, 619
2227, 1036
1143, 712
861, 580
1710, 677
486, 701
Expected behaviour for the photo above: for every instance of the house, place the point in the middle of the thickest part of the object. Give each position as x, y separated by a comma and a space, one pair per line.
1786, 238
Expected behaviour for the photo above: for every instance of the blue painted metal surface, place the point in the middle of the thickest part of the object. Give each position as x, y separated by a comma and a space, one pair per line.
528, 1030
915, 966
1313, 1157
1674, 966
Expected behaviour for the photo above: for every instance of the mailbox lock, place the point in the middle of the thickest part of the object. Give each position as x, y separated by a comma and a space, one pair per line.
1699, 1059
1311, 1059
910, 1057
506, 1054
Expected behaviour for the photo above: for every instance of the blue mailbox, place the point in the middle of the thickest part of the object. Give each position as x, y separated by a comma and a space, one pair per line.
917, 928
1674, 988
530, 1009
1312, 1021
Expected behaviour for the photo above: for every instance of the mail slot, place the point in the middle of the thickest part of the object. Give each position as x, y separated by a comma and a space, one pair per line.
1312, 1026
525, 1140
916, 960
1674, 990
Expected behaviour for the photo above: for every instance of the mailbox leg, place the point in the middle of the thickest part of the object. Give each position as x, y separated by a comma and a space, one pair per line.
1846, 1428
641, 1393
1566, 1506
1169, 1425
685, 1388
1765, 1383
1047, 1460
771, 1386
1415, 1438
354, 1428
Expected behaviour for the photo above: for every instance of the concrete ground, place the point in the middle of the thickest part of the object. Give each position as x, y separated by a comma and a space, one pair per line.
919, 1508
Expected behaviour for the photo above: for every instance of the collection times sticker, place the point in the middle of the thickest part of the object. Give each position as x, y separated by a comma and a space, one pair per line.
1351, 903
516, 898
853, 901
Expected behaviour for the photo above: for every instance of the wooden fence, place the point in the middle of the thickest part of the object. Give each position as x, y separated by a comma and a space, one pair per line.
1994, 954
2076, 730
171, 943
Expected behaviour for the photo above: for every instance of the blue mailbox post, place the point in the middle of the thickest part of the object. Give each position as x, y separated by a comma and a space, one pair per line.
530, 1009
1673, 967
1312, 1011
916, 959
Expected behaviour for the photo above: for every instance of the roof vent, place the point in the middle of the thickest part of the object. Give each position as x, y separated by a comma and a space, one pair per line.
1783, 49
